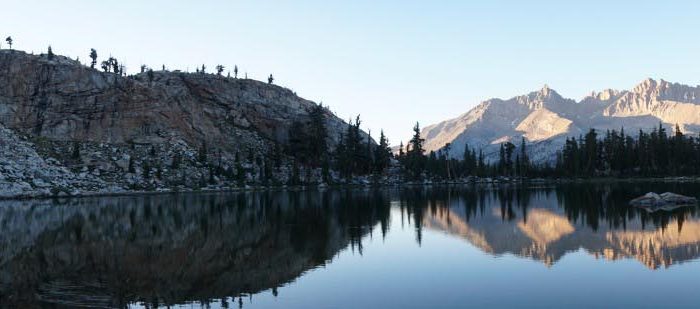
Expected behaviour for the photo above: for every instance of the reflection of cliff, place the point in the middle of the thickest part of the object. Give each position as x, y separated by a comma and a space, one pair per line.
545, 233
170, 249
658, 247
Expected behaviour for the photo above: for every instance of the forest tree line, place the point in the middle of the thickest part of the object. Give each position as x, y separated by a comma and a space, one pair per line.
611, 153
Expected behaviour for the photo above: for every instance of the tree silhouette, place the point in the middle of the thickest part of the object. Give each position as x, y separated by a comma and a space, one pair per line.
115, 64
9, 41
382, 154
235, 71
219, 69
93, 56
415, 154
106, 66
270, 79
49, 53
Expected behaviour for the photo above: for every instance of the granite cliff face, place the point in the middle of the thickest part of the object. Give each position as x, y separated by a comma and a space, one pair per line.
545, 118
127, 125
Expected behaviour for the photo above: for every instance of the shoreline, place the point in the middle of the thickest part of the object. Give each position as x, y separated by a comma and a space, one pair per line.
493, 182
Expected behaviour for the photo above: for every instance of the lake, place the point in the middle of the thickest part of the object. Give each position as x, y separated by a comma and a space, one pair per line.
570, 245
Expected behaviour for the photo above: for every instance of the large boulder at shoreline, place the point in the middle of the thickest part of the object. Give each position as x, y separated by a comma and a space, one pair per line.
664, 201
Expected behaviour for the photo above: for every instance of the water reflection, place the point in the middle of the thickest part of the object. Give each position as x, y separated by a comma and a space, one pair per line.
163, 250
174, 249
545, 224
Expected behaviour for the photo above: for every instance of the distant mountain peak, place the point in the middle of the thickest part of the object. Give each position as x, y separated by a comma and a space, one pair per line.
545, 91
650, 84
546, 118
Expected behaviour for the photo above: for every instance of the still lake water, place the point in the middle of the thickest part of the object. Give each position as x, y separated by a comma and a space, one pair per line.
437, 247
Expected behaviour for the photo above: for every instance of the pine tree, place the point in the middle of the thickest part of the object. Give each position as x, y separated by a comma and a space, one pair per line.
9, 41
93, 56
415, 157
502, 160
524, 164
318, 135
382, 154
106, 66
150, 75
49, 53
115, 64
481, 169
509, 147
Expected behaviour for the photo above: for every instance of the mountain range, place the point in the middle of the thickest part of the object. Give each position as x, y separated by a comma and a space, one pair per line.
545, 119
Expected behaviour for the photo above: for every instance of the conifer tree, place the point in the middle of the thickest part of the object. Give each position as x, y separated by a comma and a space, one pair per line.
415, 157
382, 154
93, 56
106, 66
524, 160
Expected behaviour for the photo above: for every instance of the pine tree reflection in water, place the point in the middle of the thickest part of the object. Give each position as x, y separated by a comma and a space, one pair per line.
169, 249
226, 247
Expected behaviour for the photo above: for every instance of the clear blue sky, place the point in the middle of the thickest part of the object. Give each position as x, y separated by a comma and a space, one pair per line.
393, 62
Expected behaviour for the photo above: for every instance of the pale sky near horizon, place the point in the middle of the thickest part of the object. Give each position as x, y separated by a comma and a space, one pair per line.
393, 62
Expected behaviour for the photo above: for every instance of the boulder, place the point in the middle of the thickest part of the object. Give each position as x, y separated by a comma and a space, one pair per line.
664, 201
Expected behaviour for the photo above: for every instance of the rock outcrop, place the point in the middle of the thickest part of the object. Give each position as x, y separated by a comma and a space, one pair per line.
664, 201
545, 119
146, 131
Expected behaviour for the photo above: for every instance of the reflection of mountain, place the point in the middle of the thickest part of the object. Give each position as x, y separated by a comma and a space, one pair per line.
546, 232
171, 249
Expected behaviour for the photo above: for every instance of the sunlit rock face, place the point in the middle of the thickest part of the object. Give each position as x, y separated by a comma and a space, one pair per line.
130, 128
545, 119
62, 99
537, 227
109, 252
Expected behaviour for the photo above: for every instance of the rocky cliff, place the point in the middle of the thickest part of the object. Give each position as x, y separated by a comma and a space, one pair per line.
545, 118
146, 131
